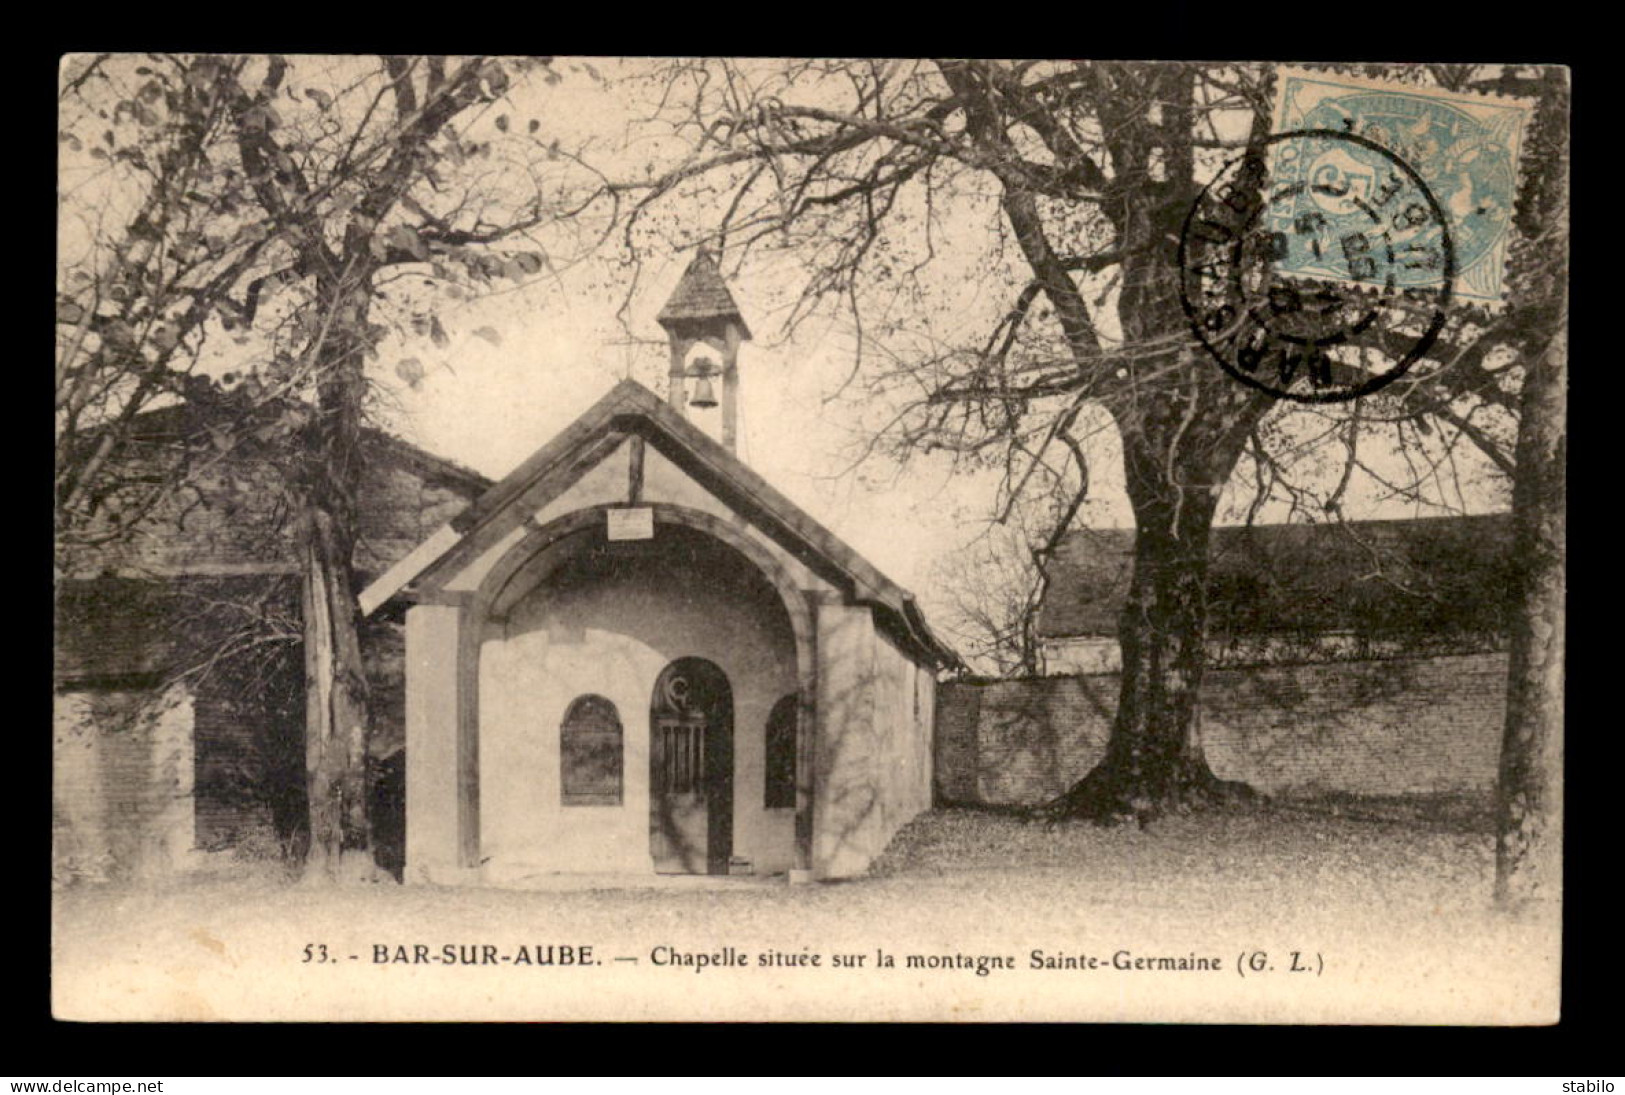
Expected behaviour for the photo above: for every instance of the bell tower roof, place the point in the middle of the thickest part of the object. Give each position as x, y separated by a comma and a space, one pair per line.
701, 300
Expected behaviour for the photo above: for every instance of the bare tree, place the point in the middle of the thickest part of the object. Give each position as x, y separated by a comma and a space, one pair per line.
1044, 202
1529, 815
244, 234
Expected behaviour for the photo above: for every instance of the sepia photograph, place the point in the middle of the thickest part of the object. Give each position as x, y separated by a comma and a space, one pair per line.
808, 539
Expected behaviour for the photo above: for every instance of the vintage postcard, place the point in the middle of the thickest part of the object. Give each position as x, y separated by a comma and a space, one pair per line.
809, 539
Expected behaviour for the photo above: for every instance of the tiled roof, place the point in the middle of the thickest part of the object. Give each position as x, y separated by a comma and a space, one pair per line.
229, 516
179, 421
700, 295
1427, 575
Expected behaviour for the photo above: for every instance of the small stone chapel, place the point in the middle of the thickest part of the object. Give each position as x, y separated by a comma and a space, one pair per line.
633, 656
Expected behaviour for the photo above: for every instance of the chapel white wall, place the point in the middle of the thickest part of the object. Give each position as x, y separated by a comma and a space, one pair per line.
873, 764
614, 639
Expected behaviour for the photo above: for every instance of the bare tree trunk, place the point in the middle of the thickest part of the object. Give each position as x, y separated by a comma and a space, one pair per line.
337, 726
1529, 792
1529, 787
336, 712
1154, 762
1181, 438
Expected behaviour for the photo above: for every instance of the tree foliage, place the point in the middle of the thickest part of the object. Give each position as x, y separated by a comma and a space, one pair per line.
247, 235
214, 209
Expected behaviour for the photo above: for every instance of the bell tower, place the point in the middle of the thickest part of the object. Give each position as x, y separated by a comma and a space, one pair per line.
701, 311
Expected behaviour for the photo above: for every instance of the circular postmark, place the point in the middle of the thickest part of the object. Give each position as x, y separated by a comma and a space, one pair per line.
1316, 267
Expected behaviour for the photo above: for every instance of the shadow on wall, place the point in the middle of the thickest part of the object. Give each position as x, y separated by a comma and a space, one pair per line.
1420, 725
1025, 741
874, 756
846, 806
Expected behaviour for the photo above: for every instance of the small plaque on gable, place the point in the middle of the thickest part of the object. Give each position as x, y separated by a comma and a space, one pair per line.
631, 524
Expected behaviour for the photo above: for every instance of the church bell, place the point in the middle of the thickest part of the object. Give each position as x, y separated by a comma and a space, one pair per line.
702, 372
703, 395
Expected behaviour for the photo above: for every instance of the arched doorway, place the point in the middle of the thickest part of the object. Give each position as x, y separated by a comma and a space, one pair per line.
691, 769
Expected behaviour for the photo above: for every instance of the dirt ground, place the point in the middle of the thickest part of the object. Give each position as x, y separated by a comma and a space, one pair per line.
1293, 915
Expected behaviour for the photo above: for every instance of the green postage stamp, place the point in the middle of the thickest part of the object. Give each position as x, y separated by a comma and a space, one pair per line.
1464, 146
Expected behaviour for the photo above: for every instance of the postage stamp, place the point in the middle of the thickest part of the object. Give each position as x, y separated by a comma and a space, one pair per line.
1465, 147
1317, 268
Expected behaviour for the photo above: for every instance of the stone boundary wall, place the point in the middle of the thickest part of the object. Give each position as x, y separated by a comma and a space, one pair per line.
1381, 727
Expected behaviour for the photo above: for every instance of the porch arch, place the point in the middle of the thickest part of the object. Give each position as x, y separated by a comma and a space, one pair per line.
492, 597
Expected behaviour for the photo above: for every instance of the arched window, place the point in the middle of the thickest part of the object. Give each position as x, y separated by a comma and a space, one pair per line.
590, 753
781, 754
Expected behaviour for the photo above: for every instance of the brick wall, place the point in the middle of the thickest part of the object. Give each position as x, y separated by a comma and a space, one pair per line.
1389, 726
231, 516
121, 783
146, 773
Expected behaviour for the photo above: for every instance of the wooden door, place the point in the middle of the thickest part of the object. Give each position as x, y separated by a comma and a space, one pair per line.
691, 769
